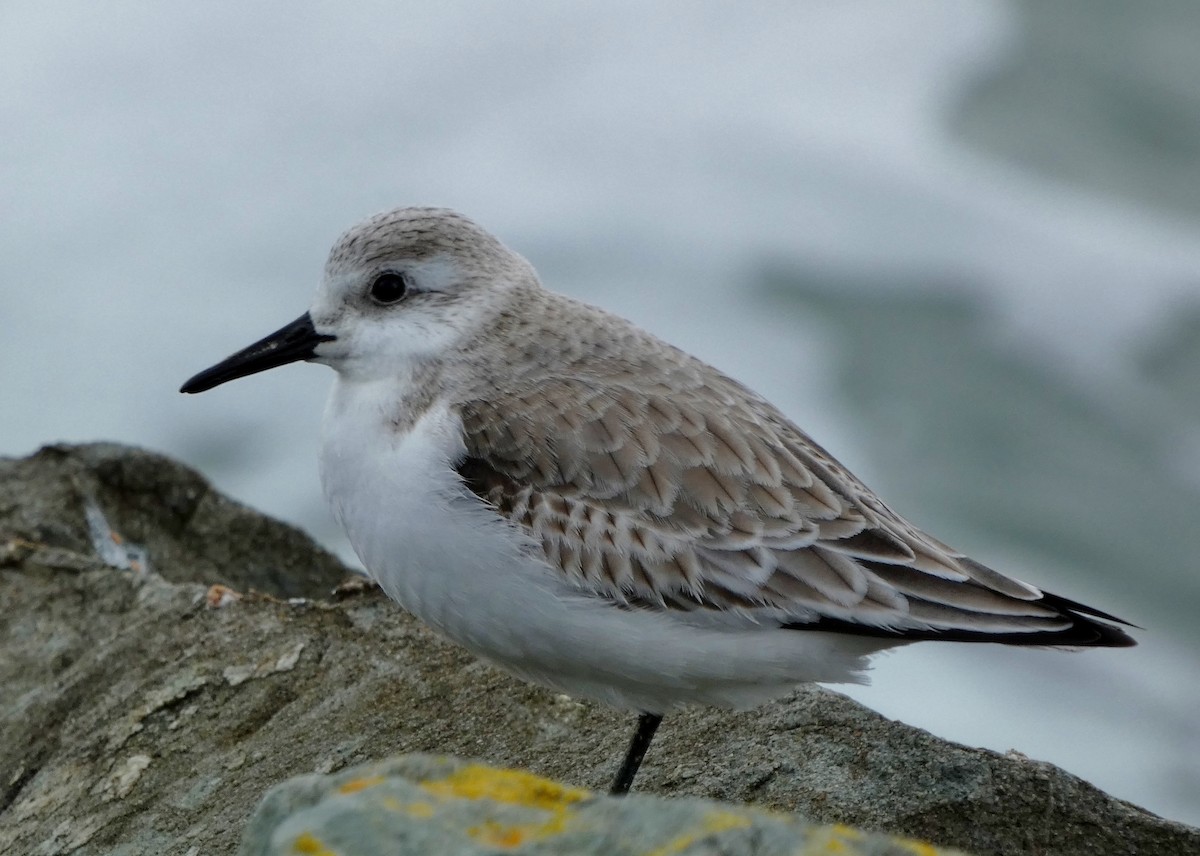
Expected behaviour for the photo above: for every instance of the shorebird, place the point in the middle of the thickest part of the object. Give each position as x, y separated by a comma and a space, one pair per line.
595, 510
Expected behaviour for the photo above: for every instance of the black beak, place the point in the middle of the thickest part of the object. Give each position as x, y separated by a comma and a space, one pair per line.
296, 341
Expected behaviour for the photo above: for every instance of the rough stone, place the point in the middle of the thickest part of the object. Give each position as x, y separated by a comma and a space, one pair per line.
190, 532
436, 805
144, 710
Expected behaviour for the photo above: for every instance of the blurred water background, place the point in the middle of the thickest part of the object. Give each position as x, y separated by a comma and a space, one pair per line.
958, 241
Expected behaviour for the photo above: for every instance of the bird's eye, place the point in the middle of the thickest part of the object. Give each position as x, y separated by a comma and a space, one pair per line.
388, 288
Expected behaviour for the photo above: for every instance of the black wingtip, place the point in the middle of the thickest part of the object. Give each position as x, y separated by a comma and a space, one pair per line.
1089, 620
1112, 637
1089, 628
1077, 608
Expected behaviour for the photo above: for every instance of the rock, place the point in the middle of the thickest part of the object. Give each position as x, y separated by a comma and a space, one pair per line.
436, 805
192, 533
147, 709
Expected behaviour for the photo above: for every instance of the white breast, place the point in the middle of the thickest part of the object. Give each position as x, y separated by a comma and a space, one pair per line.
457, 565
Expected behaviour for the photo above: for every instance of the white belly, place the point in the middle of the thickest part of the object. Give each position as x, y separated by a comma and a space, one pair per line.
458, 566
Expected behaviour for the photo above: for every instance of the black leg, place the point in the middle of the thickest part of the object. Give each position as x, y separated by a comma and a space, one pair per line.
647, 725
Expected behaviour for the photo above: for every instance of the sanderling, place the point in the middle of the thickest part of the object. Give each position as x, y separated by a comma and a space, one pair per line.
597, 511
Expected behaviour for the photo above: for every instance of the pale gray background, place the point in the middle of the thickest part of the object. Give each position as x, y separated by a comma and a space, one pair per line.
958, 241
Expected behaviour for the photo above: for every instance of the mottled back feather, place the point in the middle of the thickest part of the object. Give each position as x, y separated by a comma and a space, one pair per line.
657, 482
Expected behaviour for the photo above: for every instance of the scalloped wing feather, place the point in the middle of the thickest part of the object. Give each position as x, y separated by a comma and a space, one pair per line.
685, 491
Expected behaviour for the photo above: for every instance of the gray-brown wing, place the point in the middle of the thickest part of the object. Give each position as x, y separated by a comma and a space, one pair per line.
688, 492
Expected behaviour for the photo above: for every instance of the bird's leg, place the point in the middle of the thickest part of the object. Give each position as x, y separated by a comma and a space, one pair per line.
647, 725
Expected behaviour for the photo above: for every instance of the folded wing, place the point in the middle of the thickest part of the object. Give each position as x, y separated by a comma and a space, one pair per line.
648, 495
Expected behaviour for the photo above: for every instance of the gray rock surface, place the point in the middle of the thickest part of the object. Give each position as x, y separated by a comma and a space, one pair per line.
143, 712
436, 805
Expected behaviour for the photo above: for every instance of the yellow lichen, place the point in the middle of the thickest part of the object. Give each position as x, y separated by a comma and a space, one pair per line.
507, 786
714, 822
497, 834
511, 787
838, 837
355, 785
420, 809
831, 839
310, 845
